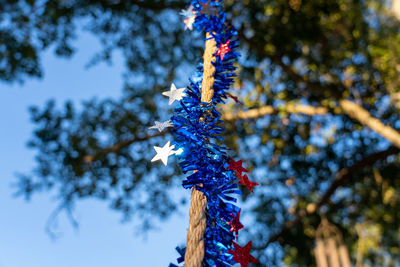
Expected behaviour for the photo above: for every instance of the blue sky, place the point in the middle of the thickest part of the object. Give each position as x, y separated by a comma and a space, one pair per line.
101, 240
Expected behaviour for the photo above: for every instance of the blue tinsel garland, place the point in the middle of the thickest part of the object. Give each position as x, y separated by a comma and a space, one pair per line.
196, 138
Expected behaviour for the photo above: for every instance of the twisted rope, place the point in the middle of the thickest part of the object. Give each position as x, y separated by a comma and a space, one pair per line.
197, 214
207, 90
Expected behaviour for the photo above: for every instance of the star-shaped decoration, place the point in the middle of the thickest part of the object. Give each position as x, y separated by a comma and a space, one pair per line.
207, 9
242, 254
189, 23
235, 224
160, 126
163, 153
190, 16
174, 94
236, 166
223, 49
244, 180
188, 12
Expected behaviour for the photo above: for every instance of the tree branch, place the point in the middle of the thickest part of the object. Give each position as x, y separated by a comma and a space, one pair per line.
269, 110
361, 115
349, 108
342, 177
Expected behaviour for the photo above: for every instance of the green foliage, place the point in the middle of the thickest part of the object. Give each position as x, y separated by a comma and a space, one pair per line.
310, 52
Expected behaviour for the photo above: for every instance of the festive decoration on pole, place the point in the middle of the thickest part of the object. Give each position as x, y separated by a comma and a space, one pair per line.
235, 224
160, 126
187, 13
174, 94
236, 166
223, 49
211, 174
190, 16
189, 23
242, 254
244, 180
208, 9
163, 153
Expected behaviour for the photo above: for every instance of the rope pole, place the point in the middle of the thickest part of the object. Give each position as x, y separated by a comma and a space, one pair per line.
197, 213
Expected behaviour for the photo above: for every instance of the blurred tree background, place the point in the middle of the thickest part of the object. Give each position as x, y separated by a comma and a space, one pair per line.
317, 122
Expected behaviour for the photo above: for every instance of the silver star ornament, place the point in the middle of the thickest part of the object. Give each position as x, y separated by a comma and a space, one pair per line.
174, 94
163, 153
187, 13
189, 23
190, 16
160, 126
